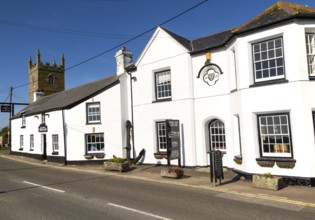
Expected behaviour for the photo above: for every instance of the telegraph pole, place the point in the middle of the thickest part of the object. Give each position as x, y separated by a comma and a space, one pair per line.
10, 115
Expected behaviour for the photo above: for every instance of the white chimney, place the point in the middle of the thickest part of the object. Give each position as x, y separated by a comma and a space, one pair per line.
38, 95
123, 59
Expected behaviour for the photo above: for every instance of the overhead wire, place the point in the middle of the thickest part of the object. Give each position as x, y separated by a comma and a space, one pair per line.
125, 42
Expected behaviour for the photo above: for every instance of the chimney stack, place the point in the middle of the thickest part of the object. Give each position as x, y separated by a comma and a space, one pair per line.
123, 59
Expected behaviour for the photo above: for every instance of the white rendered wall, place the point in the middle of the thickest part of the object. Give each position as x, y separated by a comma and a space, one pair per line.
110, 125
163, 53
293, 97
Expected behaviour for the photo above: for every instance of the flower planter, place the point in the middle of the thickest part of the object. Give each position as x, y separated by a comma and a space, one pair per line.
272, 183
113, 166
176, 173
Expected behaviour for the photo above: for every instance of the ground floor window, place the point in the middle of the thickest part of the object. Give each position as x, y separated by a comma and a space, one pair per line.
161, 136
21, 142
275, 135
95, 142
31, 142
55, 143
217, 135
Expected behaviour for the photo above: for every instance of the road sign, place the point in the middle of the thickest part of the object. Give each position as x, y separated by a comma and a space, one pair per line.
5, 108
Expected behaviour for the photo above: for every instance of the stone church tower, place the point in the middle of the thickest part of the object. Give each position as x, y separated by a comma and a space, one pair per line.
45, 79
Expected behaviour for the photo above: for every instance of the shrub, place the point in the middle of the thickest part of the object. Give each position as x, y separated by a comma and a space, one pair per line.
267, 175
117, 160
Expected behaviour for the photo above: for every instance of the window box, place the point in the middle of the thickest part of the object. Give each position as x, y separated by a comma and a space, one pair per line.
89, 156
99, 155
238, 159
267, 181
160, 156
172, 172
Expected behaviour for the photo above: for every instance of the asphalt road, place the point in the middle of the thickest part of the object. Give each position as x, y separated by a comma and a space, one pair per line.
42, 192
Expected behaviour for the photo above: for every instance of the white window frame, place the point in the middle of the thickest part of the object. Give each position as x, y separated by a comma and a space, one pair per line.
93, 113
163, 85
31, 142
94, 143
275, 135
310, 52
55, 142
268, 60
23, 121
21, 142
217, 135
161, 133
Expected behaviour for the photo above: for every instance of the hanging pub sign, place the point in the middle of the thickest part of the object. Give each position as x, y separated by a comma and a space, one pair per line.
5, 108
210, 73
42, 128
173, 141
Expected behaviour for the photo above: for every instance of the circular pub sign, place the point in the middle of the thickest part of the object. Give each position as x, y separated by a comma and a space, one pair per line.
210, 73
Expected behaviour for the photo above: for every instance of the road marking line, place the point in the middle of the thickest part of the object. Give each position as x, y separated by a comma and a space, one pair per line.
138, 211
45, 187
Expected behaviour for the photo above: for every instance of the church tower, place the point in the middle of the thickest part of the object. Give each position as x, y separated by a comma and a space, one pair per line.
45, 79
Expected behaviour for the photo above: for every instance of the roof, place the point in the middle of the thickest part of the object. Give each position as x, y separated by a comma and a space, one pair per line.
277, 13
68, 98
183, 41
211, 41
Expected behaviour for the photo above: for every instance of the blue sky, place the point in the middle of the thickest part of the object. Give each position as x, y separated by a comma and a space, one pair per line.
81, 29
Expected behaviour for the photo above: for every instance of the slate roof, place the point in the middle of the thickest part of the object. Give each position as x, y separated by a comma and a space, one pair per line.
183, 41
211, 41
68, 98
277, 13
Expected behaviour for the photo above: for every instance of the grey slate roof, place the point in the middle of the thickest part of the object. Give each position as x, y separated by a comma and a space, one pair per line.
277, 13
68, 98
183, 41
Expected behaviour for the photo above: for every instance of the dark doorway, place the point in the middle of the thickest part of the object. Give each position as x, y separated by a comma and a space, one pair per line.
44, 146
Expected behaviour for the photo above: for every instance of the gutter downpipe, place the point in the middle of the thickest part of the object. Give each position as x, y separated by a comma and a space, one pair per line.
132, 121
64, 135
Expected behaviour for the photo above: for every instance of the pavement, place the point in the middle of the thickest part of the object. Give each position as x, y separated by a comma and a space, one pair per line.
232, 186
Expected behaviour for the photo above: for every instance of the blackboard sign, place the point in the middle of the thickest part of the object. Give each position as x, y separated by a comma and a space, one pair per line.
216, 170
173, 140
218, 166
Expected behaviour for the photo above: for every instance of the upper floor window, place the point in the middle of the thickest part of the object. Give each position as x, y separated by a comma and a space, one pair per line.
55, 143
31, 142
274, 134
93, 113
310, 49
217, 135
95, 143
23, 121
163, 85
268, 60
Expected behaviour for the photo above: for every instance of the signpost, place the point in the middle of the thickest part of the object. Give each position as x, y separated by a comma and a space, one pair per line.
173, 141
216, 171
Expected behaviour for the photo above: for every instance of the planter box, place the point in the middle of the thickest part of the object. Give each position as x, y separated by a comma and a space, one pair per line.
172, 174
121, 167
274, 183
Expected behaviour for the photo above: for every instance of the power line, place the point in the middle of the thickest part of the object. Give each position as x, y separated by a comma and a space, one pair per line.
137, 36
125, 42
66, 31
